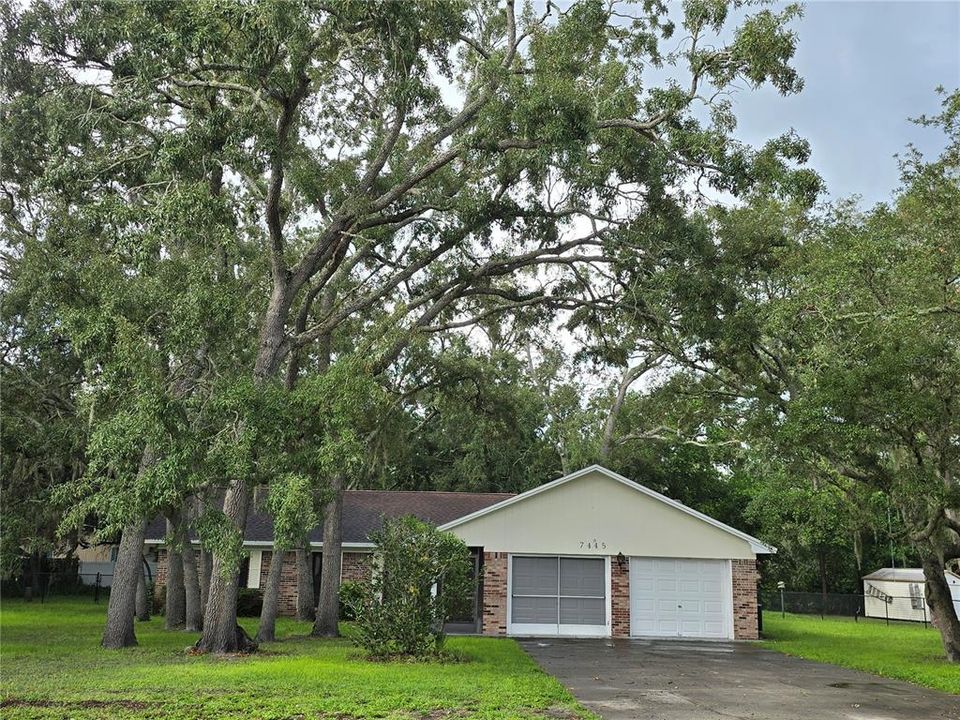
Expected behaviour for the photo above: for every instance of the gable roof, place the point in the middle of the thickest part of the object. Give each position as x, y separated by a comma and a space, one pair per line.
757, 546
364, 512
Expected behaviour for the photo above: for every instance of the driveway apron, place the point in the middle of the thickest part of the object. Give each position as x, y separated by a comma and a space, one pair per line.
680, 680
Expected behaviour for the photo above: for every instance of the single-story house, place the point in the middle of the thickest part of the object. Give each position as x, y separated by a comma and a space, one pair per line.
900, 594
99, 560
590, 554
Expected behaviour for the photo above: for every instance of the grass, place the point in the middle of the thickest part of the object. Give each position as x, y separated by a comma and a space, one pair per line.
905, 651
52, 667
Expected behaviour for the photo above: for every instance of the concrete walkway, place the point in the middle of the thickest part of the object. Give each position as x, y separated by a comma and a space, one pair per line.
680, 680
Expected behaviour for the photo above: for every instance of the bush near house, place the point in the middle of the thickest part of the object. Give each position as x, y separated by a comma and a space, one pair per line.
421, 574
352, 593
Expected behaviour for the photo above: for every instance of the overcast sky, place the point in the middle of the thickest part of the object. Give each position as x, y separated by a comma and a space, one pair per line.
868, 67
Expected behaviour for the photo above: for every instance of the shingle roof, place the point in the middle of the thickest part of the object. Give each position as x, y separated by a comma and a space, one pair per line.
364, 511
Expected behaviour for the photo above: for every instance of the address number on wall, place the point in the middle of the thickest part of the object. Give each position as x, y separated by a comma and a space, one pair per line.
593, 544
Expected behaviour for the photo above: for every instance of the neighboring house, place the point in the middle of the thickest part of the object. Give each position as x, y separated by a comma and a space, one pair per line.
101, 559
900, 594
591, 554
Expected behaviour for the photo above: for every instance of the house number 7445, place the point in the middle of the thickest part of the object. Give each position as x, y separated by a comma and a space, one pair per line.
592, 545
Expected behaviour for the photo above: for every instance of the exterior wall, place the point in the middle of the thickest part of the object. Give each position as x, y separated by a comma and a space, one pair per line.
95, 554
901, 605
160, 578
287, 600
620, 598
356, 566
596, 514
494, 593
745, 579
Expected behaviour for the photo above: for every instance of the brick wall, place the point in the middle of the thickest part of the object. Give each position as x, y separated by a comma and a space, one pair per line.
620, 598
287, 602
745, 578
160, 578
355, 566
494, 593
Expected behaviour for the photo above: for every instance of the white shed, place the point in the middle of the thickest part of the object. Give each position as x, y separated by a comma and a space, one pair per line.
900, 594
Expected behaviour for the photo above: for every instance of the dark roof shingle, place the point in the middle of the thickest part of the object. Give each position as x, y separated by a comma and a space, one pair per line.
364, 511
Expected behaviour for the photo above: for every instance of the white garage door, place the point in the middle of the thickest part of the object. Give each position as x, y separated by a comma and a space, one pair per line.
680, 598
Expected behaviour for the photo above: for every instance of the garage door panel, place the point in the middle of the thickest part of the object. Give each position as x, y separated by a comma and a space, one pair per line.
582, 576
583, 611
666, 605
672, 597
713, 607
665, 584
644, 584
534, 610
668, 566
535, 576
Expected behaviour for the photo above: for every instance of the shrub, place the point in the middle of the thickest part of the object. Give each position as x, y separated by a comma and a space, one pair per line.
249, 602
352, 593
419, 575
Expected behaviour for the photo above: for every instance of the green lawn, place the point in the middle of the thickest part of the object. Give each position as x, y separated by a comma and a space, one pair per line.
52, 667
906, 651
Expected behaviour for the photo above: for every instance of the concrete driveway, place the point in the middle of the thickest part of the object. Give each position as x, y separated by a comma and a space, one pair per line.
680, 680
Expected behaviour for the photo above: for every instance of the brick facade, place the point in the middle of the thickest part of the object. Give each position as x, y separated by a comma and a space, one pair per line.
287, 598
620, 598
356, 566
161, 576
494, 593
745, 579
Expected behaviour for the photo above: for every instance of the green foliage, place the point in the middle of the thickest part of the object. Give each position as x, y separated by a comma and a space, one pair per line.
352, 594
419, 575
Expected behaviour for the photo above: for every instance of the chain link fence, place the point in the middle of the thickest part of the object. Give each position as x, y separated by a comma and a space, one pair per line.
43, 585
873, 606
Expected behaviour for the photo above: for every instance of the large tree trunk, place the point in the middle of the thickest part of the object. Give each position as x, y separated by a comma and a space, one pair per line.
193, 620
306, 610
142, 603
176, 605
206, 566
942, 610
271, 599
221, 634
328, 608
119, 632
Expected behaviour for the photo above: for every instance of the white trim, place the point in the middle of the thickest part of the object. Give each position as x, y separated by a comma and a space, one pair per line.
253, 569
728, 598
757, 546
558, 629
